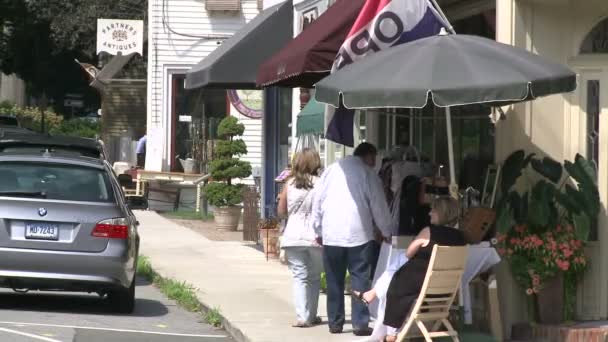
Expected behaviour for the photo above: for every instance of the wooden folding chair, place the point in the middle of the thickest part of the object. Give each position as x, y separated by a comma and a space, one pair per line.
439, 289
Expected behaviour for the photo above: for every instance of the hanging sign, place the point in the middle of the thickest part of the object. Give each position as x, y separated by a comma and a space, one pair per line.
117, 36
247, 102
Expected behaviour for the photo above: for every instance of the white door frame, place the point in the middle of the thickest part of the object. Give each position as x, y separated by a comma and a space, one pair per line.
593, 292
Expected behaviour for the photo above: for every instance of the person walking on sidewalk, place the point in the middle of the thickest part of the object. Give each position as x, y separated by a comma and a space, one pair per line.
349, 200
302, 247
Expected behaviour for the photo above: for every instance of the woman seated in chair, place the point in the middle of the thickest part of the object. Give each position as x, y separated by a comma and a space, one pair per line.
407, 282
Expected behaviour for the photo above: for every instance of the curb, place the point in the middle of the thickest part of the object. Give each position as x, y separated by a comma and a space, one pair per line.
230, 328
234, 332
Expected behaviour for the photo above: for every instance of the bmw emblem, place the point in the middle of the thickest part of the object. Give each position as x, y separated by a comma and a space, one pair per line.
42, 212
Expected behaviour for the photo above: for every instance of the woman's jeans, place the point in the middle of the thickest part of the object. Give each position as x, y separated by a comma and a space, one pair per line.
306, 265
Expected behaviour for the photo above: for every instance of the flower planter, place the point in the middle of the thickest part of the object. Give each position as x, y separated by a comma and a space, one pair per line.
550, 301
270, 242
227, 218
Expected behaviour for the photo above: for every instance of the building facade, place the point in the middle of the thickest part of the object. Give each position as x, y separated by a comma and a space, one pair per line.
574, 33
180, 34
12, 89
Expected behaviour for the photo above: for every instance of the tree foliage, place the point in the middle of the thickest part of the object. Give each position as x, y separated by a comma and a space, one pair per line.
39, 40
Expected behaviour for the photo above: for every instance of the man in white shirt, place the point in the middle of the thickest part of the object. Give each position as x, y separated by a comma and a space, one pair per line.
349, 199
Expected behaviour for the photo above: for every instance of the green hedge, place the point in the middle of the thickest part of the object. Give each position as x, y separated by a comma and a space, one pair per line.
78, 128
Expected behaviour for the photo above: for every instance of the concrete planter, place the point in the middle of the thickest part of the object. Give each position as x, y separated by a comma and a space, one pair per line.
227, 218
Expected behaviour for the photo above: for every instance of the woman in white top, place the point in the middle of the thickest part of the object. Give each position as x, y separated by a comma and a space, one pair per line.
302, 247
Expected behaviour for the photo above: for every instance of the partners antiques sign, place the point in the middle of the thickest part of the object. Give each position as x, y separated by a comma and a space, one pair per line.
117, 36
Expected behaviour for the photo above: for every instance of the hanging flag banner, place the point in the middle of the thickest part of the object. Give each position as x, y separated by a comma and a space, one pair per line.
120, 37
380, 25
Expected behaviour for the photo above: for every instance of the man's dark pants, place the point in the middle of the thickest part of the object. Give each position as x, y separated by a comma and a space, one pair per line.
141, 159
336, 261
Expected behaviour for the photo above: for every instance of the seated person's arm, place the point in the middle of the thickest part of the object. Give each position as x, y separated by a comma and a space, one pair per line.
423, 239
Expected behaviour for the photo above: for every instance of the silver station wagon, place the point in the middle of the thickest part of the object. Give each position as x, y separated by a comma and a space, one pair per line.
64, 221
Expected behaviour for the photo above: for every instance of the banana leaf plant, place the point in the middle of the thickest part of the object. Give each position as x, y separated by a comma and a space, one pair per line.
543, 193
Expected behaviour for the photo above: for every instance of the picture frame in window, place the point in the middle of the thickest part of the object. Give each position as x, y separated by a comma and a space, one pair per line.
490, 186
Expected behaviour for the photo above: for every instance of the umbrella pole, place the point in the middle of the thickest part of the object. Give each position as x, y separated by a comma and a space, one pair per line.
453, 185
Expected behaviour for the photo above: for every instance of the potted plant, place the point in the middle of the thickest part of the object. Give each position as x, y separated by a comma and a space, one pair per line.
544, 219
221, 192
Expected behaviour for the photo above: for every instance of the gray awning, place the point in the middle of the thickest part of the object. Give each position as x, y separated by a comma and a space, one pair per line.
234, 64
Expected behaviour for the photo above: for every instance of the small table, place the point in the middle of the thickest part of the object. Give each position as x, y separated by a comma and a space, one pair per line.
197, 180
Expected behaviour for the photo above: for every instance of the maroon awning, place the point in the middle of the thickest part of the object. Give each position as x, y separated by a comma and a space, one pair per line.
308, 58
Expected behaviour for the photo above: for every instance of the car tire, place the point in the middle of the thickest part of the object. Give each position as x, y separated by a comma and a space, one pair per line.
123, 300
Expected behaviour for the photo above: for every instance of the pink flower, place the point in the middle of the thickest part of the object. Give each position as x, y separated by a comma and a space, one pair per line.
536, 281
563, 265
520, 229
529, 292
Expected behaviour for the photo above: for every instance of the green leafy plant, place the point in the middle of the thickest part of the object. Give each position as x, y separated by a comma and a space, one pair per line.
227, 166
544, 219
77, 128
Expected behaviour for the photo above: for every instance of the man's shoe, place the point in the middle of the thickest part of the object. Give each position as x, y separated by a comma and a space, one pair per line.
335, 330
363, 332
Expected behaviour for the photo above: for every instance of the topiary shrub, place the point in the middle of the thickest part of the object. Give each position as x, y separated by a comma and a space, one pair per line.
227, 166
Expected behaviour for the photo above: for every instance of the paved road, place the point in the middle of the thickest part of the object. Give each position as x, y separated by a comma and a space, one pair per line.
57, 317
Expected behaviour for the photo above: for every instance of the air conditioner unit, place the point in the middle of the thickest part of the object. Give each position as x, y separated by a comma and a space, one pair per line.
223, 5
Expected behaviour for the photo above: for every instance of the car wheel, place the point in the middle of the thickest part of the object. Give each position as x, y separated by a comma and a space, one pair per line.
123, 300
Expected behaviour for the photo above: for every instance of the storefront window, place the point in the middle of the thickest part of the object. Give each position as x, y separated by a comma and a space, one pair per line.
473, 138
597, 40
195, 116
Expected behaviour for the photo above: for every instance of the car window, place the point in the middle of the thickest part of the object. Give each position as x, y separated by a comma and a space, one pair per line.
55, 181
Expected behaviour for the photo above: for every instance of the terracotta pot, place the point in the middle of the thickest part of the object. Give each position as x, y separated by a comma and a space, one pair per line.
550, 301
270, 241
227, 218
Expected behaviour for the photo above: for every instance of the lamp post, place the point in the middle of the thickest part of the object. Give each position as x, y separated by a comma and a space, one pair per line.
43, 104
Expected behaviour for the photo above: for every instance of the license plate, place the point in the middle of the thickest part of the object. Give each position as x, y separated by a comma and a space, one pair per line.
41, 231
